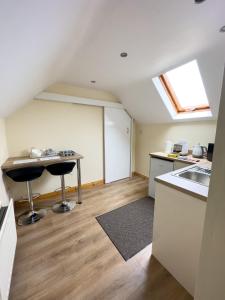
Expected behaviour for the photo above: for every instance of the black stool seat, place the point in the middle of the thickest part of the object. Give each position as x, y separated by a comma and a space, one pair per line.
25, 174
61, 168
28, 174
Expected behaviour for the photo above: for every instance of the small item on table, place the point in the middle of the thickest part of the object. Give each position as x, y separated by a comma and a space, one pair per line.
67, 153
199, 151
184, 151
36, 153
173, 155
177, 148
50, 152
168, 147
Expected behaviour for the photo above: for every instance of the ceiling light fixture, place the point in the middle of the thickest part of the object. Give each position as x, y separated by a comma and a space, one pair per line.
93, 81
199, 1
123, 54
222, 29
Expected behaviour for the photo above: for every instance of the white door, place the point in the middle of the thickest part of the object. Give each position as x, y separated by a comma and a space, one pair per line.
117, 144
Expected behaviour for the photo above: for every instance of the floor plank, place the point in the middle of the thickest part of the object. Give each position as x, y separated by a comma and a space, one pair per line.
69, 256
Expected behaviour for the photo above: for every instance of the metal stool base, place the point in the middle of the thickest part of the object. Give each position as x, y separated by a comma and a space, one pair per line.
31, 217
64, 206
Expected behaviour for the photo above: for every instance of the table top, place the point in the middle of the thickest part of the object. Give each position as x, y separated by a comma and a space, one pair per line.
189, 160
26, 161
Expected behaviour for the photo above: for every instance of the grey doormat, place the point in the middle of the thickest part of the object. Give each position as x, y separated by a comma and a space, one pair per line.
130, 227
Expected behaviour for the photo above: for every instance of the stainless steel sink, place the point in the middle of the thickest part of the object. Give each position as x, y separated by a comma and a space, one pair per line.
196, 174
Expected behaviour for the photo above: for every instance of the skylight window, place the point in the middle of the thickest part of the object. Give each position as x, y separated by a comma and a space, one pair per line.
183, 92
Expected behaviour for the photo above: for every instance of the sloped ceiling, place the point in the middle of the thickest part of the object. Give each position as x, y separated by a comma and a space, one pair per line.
37, 41
76, 41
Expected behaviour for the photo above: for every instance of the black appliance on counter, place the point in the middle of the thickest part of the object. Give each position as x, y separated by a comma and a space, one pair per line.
210, 151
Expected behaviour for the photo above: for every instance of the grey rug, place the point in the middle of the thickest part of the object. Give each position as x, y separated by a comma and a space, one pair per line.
130, 227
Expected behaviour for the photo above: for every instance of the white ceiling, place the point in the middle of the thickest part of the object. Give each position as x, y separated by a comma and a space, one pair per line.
75, 41
37, 41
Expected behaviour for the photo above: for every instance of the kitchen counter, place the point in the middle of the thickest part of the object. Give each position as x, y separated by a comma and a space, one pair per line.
178, 226
179, 220
189, 161
189, 187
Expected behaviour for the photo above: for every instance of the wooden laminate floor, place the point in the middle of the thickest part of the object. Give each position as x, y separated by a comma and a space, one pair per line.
69, 256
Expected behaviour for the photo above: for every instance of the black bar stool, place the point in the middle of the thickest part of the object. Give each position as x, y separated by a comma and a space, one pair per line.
27, 175
61, 169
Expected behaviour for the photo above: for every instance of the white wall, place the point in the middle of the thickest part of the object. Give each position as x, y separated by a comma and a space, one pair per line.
211, 277
152, 138
3, 157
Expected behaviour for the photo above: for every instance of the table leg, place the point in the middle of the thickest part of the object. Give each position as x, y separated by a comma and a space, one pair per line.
79, 200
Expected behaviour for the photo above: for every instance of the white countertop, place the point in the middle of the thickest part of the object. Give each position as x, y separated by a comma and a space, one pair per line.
195, 189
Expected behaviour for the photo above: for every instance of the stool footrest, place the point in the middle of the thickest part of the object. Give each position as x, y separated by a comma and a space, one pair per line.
31, 217
64, 206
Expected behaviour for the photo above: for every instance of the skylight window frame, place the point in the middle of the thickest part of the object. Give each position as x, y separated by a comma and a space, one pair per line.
175, 101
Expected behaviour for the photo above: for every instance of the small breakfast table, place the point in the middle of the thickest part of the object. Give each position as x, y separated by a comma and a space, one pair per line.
25, 161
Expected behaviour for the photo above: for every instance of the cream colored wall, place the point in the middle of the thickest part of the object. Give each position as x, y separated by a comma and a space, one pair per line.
45, 124
48, 124
92, 93
3, 157
152, 138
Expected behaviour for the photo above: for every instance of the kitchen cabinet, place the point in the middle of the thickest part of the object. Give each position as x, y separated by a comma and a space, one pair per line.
177, 233
8, 239
179, 165
157, 167
160, 166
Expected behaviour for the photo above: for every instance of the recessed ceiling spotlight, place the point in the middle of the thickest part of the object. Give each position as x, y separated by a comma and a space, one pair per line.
93, 81
123, 54
222, 29
199, 1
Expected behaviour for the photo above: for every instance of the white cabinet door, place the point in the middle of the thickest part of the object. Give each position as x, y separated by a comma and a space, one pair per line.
117, 144
8, 239
157, 167
177, 233
179, 165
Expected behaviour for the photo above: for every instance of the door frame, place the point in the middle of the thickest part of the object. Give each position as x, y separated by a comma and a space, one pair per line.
131, 142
